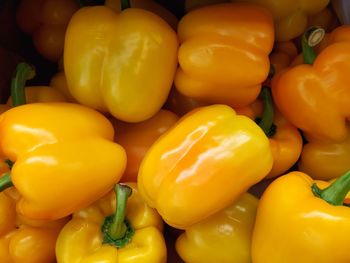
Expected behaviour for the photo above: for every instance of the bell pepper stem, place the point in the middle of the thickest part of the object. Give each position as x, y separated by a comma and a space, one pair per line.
335, 193
116, 228
5, 182
125, 4
23, 73
266, 122
311, 38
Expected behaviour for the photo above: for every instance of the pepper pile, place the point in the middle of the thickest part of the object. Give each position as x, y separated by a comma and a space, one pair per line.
222, 134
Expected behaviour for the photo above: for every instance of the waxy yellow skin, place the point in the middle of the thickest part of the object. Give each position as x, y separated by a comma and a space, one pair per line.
224, 237
80, 241
23, 240
207, 155
148, 5
325, 160
64, 157
292, 225
223, 57
120, 63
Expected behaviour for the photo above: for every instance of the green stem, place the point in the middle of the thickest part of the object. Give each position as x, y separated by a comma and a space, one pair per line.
125, 4
266, 122
311, 38
336, 192
116, 228
5, 182
23, 73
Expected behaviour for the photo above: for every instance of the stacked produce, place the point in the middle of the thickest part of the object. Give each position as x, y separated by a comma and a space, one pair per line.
217, 133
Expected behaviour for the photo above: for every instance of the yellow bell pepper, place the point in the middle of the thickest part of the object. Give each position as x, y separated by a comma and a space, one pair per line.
223, 55
207, 155
59, 82
101, 233
224, 237
285, 140
120, 63
64, 157
148, 5
137, 138
298, 222
325, 160
23, 240
290, 16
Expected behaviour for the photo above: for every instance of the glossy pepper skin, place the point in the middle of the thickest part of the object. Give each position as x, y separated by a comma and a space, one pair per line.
64, 157
319, 93
224, 237
46, 21
81, 239
293, 225
122, 63
286, 143
24, 240
324, 160
211, 38
291, 17
137, 138
148, 5
207, 151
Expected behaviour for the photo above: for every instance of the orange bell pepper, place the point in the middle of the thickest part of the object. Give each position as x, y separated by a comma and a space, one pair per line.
282, 55
137, 138
212, 38
64, 157
325, 19
46, 21
122, 63
325, 160
23, 240
296, 221
285, 140
319, 93
207, 156
148, 5
339, 34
